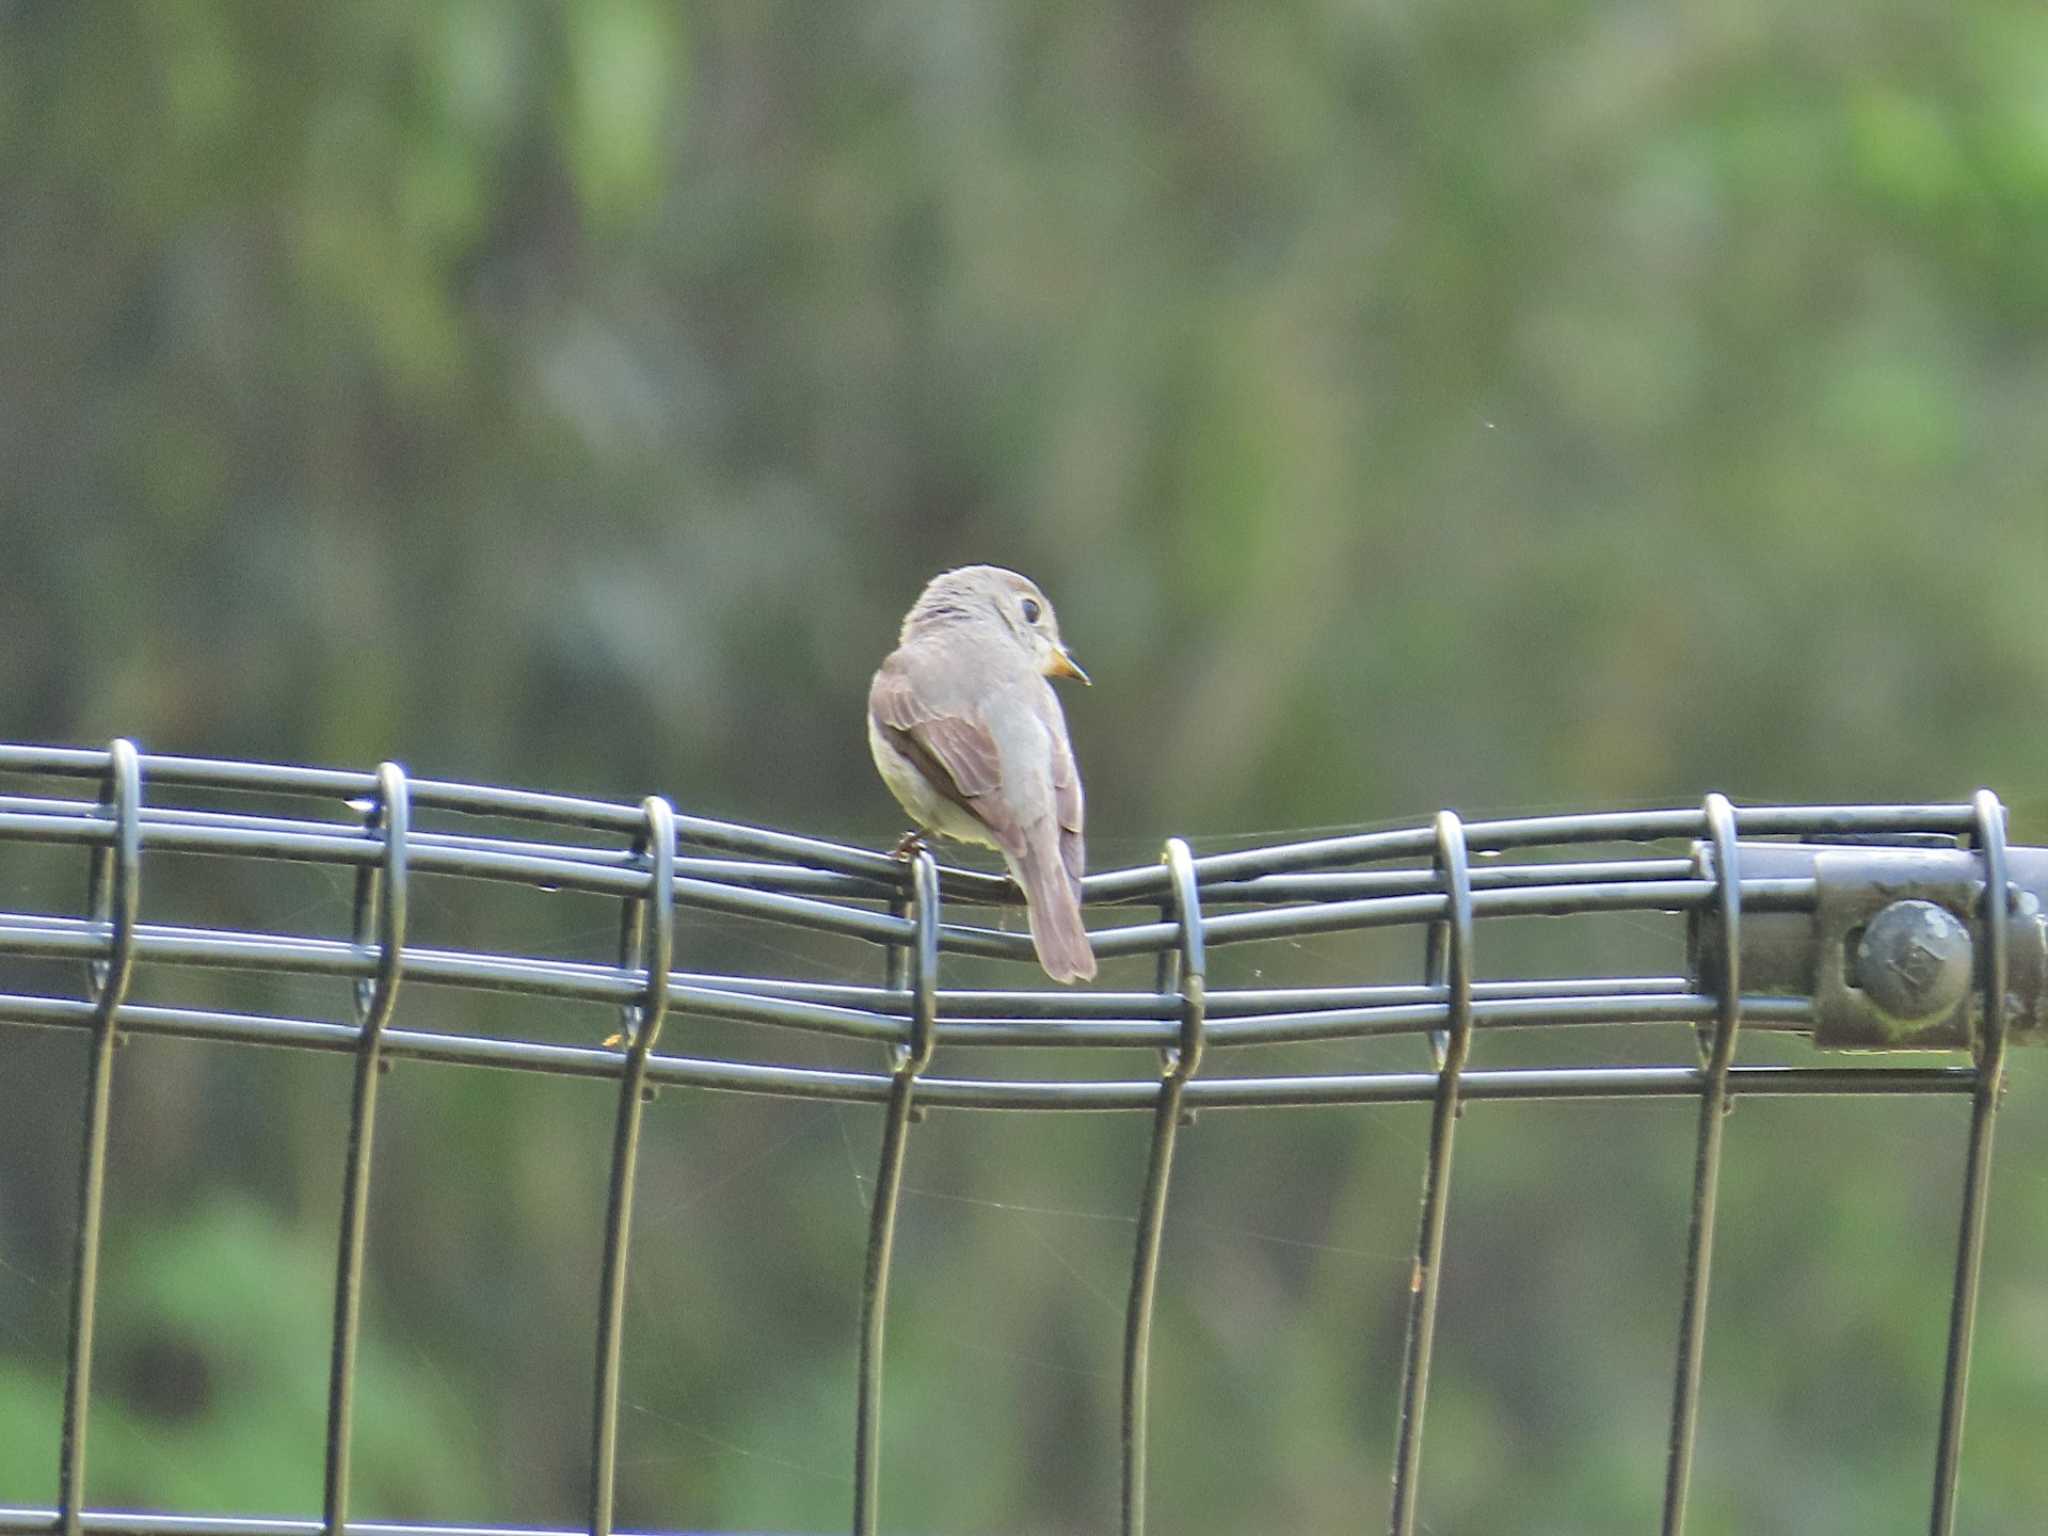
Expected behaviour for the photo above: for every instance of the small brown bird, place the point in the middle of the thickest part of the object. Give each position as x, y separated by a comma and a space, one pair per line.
969, 737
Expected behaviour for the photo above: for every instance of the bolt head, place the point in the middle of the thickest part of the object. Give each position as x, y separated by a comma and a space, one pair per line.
1914, 961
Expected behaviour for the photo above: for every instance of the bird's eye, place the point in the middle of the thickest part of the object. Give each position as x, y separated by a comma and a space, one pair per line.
1030, 610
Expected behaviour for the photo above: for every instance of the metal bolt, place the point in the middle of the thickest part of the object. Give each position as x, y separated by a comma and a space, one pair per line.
1913, 960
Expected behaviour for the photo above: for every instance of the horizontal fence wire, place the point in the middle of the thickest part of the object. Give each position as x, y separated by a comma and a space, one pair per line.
387, 831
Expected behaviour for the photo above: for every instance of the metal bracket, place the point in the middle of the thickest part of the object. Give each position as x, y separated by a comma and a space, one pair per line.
1892, 952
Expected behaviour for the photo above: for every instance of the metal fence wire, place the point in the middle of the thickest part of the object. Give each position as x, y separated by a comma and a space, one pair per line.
1874, 928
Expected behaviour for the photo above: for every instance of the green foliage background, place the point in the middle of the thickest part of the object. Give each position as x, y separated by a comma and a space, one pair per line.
1557, 404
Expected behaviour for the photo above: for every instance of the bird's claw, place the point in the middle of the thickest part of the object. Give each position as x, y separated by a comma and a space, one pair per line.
910, 847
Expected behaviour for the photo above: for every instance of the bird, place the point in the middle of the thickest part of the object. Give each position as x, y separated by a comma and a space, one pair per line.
968, 734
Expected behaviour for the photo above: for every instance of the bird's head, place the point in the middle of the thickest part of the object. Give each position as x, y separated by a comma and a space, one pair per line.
988, 593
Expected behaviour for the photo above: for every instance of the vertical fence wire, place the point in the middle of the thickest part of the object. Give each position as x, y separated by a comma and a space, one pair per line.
1449, 966
1962, 1323
113, 897
1718, 1055
380, 911
1183, 969
910, 1060
647, 930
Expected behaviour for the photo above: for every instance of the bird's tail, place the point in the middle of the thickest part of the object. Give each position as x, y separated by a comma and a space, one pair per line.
1053, 900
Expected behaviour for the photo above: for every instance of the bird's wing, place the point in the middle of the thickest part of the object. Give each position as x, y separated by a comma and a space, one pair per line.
1066, 786
949, 738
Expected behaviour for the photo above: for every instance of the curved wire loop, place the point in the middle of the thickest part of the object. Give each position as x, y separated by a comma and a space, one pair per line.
381, 899
647, 936
1989, 833
112, 876
908, 1060
1179, 1062
911, 1059
1450, 967
380, 912
113, 898
1716, 1055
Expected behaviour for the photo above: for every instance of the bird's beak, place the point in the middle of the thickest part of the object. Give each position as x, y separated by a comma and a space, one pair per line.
1064, 665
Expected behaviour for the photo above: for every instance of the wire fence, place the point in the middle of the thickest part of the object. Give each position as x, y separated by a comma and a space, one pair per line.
1876, 928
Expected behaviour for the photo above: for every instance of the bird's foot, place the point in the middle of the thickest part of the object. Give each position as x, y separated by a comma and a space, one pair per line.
911, 846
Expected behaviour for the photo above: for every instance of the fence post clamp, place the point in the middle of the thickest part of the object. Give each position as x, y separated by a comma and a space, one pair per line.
1892, 953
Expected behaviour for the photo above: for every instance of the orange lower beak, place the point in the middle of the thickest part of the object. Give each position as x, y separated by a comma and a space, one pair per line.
1064, 665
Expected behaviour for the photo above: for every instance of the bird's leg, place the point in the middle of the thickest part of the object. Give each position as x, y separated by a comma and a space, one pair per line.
911, 846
